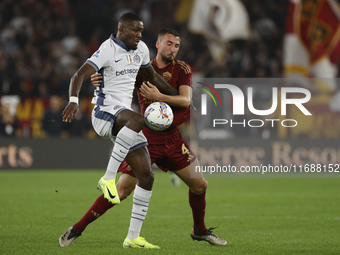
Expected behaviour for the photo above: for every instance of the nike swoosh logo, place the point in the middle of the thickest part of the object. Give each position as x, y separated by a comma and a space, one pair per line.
118, 60
110, 193
144, 210
141, 245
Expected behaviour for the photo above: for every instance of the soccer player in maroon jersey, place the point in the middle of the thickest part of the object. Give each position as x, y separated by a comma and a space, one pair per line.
168, 149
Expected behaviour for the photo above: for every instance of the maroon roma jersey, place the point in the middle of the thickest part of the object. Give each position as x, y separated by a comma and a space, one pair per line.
178, 73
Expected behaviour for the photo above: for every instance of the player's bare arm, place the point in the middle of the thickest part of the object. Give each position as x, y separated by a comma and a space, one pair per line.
153, 77
76, 83
151, 92
96, 79
148, 74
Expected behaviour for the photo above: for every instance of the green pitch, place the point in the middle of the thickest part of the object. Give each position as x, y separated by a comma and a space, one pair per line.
255, 216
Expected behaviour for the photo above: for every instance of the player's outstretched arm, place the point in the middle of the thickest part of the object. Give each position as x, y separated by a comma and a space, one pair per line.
76, 82
164, 87
151, 92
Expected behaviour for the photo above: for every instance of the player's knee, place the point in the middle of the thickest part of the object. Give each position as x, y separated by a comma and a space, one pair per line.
124, 192
124, 187
145, 180
151, 177
148, 178
136, 123
200, 187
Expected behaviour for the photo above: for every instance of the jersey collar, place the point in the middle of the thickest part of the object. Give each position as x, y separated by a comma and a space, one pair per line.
118, 42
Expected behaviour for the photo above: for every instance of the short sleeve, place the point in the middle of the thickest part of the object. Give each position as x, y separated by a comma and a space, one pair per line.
101, 57
146, 55
185, 74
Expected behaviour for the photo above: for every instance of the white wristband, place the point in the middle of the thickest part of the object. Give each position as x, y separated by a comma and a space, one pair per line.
74, 100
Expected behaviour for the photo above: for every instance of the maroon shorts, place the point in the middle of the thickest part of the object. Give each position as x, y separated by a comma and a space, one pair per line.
168, 150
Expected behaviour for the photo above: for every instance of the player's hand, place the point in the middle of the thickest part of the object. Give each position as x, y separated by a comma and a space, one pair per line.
96, 79
70, 112
150, 91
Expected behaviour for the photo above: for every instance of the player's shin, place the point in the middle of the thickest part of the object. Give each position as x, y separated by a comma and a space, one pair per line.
124, 140
197, 203
141, 198
99, 207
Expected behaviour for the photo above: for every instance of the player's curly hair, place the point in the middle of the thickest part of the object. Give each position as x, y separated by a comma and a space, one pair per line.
165, 31
128, 17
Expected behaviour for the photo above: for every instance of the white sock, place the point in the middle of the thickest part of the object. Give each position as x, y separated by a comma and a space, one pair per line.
141, 198
124, 140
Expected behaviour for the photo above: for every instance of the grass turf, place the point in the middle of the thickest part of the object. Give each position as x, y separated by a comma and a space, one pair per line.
256, 216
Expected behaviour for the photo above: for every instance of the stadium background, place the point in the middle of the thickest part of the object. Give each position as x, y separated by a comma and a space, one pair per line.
48, 170
44, 42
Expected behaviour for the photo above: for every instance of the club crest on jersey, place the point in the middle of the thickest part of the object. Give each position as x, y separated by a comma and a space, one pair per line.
136, 58
167, 76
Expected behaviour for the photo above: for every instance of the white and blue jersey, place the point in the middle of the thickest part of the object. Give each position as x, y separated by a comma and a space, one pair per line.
119, 67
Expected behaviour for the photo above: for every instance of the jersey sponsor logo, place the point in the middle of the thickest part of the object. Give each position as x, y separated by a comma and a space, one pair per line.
126, 71
96, 54
118, 60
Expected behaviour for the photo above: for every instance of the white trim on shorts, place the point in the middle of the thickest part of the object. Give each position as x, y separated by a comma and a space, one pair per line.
103, 119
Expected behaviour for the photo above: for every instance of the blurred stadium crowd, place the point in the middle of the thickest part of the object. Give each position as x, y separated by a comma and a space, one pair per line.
43, 42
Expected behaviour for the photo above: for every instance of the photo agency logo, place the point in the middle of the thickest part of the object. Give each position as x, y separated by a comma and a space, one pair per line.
280, 101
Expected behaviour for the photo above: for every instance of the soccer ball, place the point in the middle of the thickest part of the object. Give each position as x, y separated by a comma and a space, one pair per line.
158, 116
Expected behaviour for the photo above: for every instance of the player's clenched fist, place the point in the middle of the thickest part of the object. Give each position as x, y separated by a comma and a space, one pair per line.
70, 112
96, 79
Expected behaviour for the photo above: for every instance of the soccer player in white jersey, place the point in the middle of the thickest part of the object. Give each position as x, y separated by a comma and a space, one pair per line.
118, 60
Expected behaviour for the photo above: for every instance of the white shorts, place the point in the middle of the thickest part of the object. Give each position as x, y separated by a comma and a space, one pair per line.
103, 119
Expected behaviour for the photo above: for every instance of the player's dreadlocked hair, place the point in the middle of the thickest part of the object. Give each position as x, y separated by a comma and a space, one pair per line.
165, 31
128, 17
